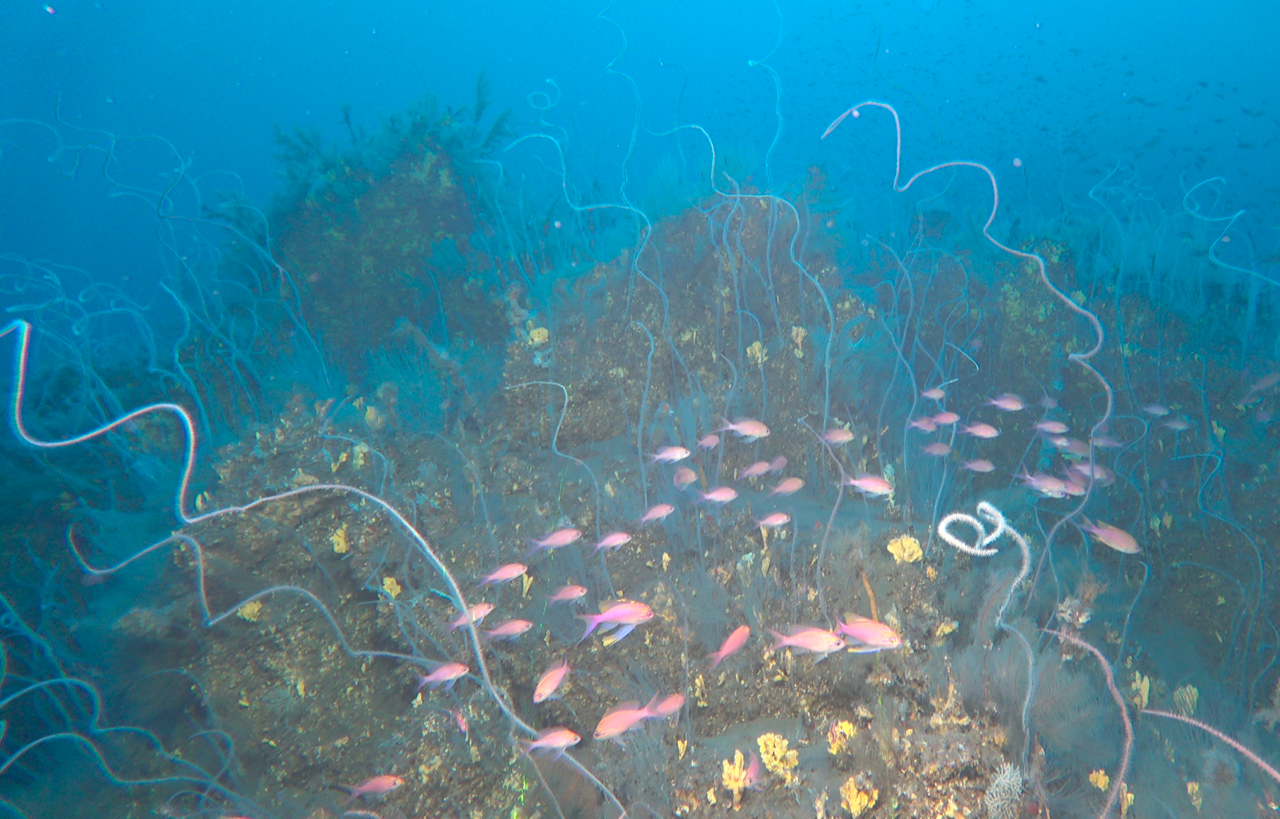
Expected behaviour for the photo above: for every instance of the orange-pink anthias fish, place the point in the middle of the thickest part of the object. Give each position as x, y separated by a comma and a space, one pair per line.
567, 594
731, 645
504, 574
656, 513
872, 485
446, 674
630, 715
551, 740
377, 786
551, 680
508, 629
625, 615
869, 635
555, 540
1007, 402
748, 429
808, 638
1109, 535
787, 486
478, 612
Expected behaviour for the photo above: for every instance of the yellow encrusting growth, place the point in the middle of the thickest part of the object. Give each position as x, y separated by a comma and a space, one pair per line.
856, 801
339, 540
390, 586
734, 777
776, 758
250, 611
838, 736
905, 549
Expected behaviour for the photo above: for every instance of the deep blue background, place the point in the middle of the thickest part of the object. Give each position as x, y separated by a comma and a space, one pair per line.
1181, 90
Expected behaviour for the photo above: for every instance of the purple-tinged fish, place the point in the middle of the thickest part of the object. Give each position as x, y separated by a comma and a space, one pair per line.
937, 449
720, 494
504, 574
621, 718
613, 540
1053, 428
749, 429
551, 680
557, 539
731, 645
933, 394
625, 614
922, 424
551, 740
478, 612
1156, 410
656, 513
787, 486
377, 786
873, 485
774, 520
567, 594
978, 465
944, 419
670, 455
445, 674
1109, 535
508, 629
808, 638
1007, 402
683, 477
837, 436
709, 441
754, 471
984, 431
777, 464
869, 634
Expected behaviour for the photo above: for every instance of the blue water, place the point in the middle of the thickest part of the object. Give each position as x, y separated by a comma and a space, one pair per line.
418, 284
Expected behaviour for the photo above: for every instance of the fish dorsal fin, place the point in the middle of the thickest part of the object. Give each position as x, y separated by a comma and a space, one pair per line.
629, 705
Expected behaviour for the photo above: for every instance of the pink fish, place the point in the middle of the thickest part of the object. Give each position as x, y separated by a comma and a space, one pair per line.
837, 436
1109, 535
1053, 427
978, 465
567, 594
1007, 402
870, 635
657, 513
460, 719
624, 613
1096, 471
984, 431
1046, 485
1073, 446
937, 449
751, 778
665, 707
1156, 410
1073, 488
709, 441
446, 674
508, 629
683, 477
557, 539
933, 394
872, 485
551, 680
731, 645
777, 464
808, 638
747, 428
1266, 382
754, 471
1107, 442
943, 419
670, 455
551, 740
622, 718
504, 574
377, 786
613, 540
787, 486
477, 613
922, 424
721, 494
1179, 424
774, 520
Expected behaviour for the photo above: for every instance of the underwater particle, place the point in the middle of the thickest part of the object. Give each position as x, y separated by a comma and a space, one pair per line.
342, 459
1100, 780
360, 455
1193, 793
905, 549
390, 586
776, 758
682, 747
734, 777
301, 688
931, 573
711, 796
250, 611
527, 580
202, 501
838, 736
798, 335
946, 627
666, 561
539, 336
857, 801
757, 354
339, 540
1003, 799
1185, 699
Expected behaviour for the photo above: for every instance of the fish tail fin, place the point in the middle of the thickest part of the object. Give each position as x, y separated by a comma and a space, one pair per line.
592, 621
779, 640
